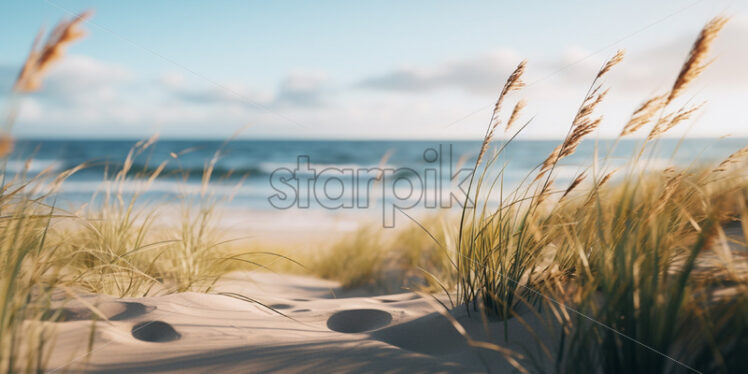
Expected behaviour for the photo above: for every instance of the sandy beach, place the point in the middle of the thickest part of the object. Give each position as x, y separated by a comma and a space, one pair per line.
315, 327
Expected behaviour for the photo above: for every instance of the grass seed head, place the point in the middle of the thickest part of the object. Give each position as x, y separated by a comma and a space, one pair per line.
697, 57
643, 115
515, 114
615, 60
40, 59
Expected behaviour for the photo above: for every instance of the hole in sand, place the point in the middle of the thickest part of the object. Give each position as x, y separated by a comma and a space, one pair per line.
300, 299
114, 311
155, 331
131, 310
398, 298
67, 314
431, 334
302, 310
358, 320
281, 306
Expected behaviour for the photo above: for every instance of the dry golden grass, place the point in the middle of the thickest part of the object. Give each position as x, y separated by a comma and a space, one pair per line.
37, 63
734, 158
583, 123
513, 83
41, 58
515, 114
669, 121
28, 269
697, 57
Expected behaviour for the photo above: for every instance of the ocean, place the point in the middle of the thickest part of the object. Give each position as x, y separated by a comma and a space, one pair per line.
321, 174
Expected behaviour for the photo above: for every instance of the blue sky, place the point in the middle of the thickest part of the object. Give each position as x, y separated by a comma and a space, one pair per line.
388, 69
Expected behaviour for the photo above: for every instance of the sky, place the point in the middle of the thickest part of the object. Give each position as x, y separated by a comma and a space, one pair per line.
363, 70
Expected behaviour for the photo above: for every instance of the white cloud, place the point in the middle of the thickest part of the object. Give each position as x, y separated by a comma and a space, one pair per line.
303, 88
476, 75
299, 88
172, 80
556, 85
30, 110
84, 95
642, 70
85, 80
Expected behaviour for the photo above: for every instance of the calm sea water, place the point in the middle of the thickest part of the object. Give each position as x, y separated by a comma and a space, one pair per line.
244, 167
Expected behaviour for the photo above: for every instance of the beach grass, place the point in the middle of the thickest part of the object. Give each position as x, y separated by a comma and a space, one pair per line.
619, 257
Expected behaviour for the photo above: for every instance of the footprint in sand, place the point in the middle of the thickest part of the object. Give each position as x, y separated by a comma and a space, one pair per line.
397, 299
358, 320
431, 334
388, 301
155, 331
112, 310
131, 310
281, 306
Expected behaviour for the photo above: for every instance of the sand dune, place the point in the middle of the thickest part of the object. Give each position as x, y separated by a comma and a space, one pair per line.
315, 328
